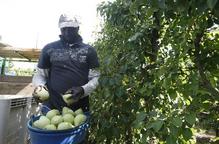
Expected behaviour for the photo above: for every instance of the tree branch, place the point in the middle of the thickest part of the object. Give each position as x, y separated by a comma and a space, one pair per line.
155, 37
205, 81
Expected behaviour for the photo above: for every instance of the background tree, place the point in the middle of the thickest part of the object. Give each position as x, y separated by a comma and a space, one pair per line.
159, 71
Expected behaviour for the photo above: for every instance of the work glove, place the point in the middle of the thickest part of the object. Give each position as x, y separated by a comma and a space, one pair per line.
76, 93
40, 94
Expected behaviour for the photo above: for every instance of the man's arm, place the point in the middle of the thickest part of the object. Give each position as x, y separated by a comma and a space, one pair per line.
42, 68
39, 78
93, 82
39, 81
94, 74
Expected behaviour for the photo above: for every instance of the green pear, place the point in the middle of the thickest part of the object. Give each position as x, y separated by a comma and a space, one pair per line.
50, 114
68, 118
64, 126
41, 123
79, 119
56, 120
79, 111
66, 110
50, 127
42, 93
67, 99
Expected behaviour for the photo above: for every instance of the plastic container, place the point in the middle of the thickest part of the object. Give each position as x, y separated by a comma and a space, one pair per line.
15, 111
70, 136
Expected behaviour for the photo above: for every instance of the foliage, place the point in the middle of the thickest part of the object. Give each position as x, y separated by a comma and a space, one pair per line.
16, 68
24, 72
159, 71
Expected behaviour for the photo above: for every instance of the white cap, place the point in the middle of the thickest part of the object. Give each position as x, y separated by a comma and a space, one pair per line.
68, 21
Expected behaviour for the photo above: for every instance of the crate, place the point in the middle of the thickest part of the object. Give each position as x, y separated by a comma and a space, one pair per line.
14, 114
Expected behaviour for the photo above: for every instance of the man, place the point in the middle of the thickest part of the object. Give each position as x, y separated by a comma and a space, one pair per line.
67, 66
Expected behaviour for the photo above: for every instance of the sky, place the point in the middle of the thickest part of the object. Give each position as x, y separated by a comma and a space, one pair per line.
34, 23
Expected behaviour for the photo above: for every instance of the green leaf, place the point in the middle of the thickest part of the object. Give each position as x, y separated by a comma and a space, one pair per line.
161, 4
216, 139
141, 116
103, 81
142, 90
157, 125
133, 8
203, 92
140, 3
174, 130
135, 36
187, 102
181, 5
177, 122
171, 140
148, 92
166, 83
191, 118
187, 133
144, 138
138, 122
172, 93
111, 82
137, 125
123, 68
211, 3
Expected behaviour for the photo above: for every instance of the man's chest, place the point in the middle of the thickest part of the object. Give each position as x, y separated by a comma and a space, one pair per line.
79, 55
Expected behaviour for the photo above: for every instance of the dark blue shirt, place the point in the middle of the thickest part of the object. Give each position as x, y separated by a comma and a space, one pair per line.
68, 66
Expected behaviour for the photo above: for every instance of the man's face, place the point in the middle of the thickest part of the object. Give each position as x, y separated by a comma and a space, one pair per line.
69, 33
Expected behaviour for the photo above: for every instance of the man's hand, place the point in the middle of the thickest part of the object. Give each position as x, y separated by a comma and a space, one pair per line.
76, 93
39, 93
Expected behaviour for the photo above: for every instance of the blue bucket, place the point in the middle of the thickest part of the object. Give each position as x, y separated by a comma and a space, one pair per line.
70, 136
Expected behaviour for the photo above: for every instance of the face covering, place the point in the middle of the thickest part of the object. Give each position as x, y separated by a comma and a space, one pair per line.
70, 34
